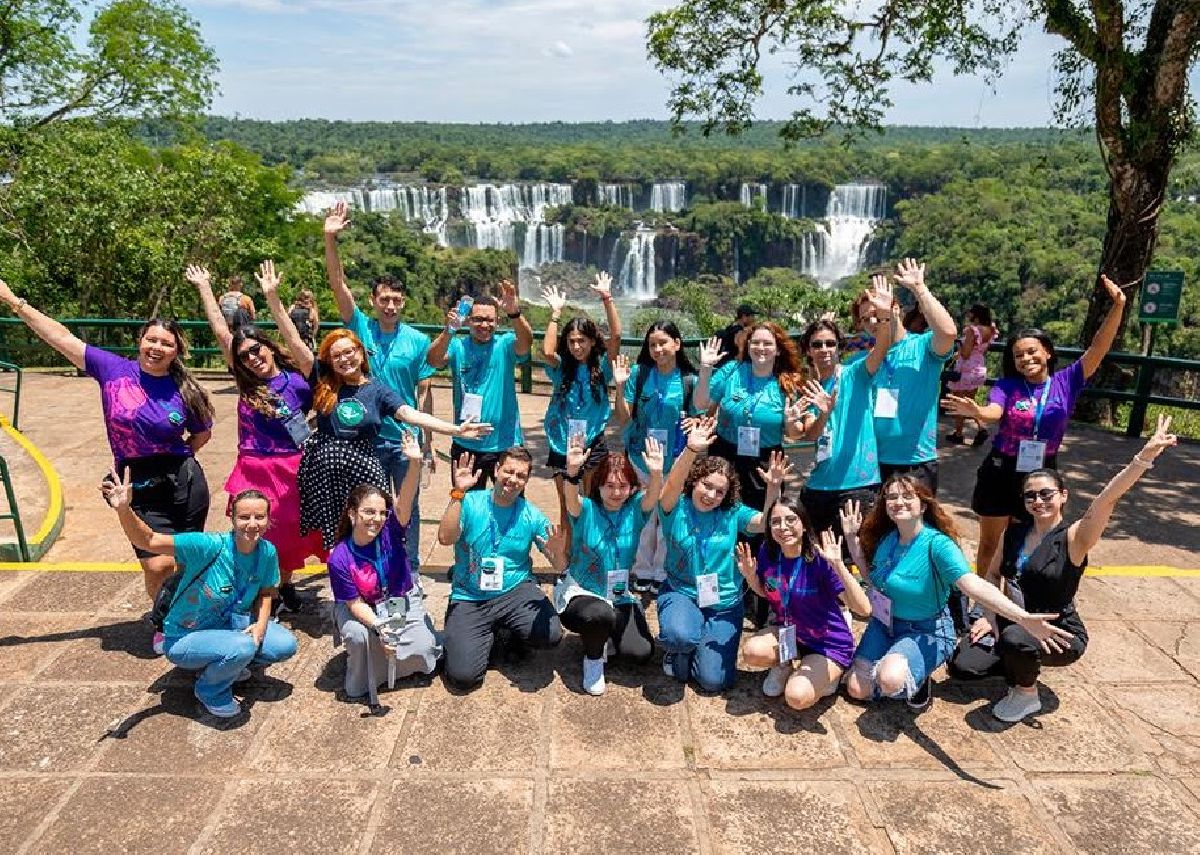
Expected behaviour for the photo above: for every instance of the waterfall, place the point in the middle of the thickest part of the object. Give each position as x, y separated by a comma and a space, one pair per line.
320, 201
668, 196
851, 215
543, 244
617, 195
794, 201
750, 192
492, 213
637, 276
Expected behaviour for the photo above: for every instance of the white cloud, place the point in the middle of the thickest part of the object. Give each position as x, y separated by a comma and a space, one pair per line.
560, 49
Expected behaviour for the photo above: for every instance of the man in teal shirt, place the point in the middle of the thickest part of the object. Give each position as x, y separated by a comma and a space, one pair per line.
396, 356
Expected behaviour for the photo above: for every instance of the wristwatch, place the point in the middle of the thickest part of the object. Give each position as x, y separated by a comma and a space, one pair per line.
515, 314
457, 494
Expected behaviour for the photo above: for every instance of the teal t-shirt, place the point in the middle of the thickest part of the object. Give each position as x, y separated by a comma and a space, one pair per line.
489, 531
397, 360
919, 577
229, 586
849, 433
659, 408
579, 403
699, 543
915, 371
487, 370
749, 401
603, 541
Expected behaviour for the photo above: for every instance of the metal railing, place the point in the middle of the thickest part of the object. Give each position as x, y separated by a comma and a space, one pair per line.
117, 335
14, 390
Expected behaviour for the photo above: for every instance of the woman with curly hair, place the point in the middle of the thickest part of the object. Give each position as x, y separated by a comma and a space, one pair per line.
700, 604
754, 397
910, 544
350, 407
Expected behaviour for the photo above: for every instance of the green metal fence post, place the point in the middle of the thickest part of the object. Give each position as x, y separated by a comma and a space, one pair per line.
13, 513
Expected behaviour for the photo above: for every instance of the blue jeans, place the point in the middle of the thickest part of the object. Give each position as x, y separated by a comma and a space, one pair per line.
924, 644
395, 464
220, 654
703, 643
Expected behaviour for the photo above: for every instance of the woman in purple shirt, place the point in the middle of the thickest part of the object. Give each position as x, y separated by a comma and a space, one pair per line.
273, 402
1032, 403
157, 417
804, 583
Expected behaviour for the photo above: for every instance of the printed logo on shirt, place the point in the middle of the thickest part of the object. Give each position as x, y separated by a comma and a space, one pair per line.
351, 412
175, 418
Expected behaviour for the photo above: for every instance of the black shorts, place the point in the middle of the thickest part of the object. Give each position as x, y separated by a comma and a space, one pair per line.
558, 462
998, 486
754, 489
170, 494
485, 462
823, 505
926, 472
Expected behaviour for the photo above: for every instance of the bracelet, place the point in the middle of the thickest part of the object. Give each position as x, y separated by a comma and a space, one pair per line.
1145, 464
457, 495
515, 314
553, 318
573, 479
21, 304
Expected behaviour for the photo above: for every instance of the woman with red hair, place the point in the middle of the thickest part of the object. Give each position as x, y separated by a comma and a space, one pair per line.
350, 408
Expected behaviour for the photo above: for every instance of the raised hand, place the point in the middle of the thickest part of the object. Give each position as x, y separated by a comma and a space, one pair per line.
602, 286
577, 454
880, 296
746, 562
554, 298
910, 274
509, 301
117, 492
830, 546
464, 475
556, 544
1114, 290
621, 370
410, 448
957, 405
338, 219
473, 430
818, 397
1160, 441
778, 468
653, 456
796, 411
850, 516
711, 353
198, 275
701, 433
268, 280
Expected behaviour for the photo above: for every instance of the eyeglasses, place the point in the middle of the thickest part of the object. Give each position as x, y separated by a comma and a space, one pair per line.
822, 343
784, 522
476, 319
255, 349
900, 497
1045, 495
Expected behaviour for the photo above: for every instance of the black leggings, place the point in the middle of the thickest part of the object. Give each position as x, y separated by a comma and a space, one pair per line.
1017, 655
470, 630
597, 621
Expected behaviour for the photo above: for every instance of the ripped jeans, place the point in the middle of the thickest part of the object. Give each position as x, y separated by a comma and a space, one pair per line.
924, 644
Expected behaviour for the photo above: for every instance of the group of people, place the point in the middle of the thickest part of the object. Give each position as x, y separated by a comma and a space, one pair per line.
687, 506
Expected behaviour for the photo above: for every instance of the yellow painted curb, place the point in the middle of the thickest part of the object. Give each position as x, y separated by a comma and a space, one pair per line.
1149, 570
51, 525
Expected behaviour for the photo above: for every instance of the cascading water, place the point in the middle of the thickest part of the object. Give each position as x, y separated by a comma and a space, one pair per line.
637, 277
795, 200
751, 192
320, 201
851, 215
668, 196
543, 244
617, 195
492, 213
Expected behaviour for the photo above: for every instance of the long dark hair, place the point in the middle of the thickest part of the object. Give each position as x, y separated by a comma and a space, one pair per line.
195, 399
646, 364
1009, 364
252, 388
808, 540
814, 328
569, 365
357, 496
878, 524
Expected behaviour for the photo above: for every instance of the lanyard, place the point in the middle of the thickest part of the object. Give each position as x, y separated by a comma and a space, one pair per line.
282, 410
891, 371
612, 544
241, 591
752, 403
479, 368
704, 543
384, 355
576, 399
497, 535
1041, 404
787, 583
893, 561
375, 560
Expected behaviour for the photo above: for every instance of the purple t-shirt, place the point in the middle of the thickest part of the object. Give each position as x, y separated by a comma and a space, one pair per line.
354, 571
144, 415
259, 434
1020, 398
812, 603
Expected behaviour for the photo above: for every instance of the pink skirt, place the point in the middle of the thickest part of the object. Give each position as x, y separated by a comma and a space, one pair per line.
275, 477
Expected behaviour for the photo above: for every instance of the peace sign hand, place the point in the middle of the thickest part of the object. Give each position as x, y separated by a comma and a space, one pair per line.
1160, 441
117, 492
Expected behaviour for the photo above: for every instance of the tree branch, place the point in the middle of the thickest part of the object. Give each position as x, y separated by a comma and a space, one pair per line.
1063, 19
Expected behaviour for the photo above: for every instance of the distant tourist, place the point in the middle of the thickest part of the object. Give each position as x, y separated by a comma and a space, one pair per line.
970, 367
305, 317
236, 307
733, 337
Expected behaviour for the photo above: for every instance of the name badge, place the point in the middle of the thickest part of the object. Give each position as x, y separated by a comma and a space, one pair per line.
824, 446
1031, 455
881, 607
298, 429
887, 403
491, 574
577, 427
472, 407
787, 643
749, 439
617, 584
706, 590
660, 436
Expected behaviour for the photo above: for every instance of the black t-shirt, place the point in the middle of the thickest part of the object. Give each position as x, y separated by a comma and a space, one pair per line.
1048, 582
728, 337
360, 410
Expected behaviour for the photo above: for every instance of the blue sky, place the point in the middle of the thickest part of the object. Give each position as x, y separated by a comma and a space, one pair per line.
515, 61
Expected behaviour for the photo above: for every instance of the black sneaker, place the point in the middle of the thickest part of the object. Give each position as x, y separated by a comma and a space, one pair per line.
922, 698
289, 599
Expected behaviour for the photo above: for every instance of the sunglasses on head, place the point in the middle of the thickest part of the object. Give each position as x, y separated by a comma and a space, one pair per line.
255, 349
1045, 494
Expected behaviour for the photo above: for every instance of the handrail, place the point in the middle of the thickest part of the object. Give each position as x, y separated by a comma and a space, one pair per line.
8, 367
1140, 396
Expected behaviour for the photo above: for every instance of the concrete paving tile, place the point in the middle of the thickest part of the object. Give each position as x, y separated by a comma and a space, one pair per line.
1193, 787
68, 592
471, 817
648, 817
1180, 640
960, 817
619, 730
53, 728
1136, 598
740, 729
23, 803
155, 815
496, 727
130, 602
1117, 654
1122, 816
1164, 719
11, 581
111, 651
762, 817
317, 732
293, 816
1071, 734
886, 735
29, 642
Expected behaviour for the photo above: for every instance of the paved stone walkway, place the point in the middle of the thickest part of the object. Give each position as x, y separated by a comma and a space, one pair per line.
103, 749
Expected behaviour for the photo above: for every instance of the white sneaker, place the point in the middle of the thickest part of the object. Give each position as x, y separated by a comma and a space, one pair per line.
776, 680
1015, 706
593, 676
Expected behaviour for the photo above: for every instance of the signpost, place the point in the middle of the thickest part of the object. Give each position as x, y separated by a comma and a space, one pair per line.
1158, 303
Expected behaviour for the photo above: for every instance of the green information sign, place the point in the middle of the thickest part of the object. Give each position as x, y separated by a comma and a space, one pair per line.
1160, 296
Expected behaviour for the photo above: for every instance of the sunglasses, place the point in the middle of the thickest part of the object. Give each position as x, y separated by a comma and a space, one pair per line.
1045, 495
822, 344
255, 349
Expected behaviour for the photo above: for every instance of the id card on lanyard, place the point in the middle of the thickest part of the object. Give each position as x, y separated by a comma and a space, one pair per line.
707, 584
825, 440
881, 603
239, 620
887, 397
1031, 453
492, 566
478, 370
787, 632
749, 436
